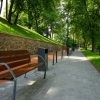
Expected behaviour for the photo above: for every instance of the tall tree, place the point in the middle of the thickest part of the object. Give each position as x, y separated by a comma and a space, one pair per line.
11, 10
19, 8
6, 9
1, 4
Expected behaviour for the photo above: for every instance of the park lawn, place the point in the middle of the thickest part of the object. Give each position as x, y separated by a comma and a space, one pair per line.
24, 32
93, 57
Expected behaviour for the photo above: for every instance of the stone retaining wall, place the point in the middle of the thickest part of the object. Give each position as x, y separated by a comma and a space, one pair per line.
9, 42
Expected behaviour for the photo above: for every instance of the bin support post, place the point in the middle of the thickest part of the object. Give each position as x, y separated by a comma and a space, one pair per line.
61, 54
45, 71
56, 57
67, 51
53, 58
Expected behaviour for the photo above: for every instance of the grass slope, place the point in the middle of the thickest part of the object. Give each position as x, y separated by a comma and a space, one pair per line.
18, 30
93, 58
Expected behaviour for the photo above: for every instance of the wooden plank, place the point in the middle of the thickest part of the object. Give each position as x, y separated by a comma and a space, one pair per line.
15, 64
18, 72
13, 58
15, 52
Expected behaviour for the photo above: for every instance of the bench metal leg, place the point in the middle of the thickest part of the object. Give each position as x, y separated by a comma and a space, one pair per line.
45, 70
53, 59
44, 74
25, 76
14, 90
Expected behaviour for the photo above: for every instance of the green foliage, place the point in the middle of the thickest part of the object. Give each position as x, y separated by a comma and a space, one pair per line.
23, 19
7, 28
85, 18
77, 20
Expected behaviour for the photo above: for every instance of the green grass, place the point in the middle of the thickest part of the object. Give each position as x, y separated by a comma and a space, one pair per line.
18, 30
92, 57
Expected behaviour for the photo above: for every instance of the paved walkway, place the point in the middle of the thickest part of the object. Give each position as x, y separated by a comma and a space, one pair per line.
73, 78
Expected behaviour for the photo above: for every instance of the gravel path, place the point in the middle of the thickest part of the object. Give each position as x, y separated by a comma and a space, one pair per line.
73, 78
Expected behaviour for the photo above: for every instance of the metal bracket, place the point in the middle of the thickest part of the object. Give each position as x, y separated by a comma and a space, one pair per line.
15, 80
45, 65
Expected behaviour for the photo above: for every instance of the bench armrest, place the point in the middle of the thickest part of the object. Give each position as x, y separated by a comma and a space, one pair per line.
42, 59
9, 69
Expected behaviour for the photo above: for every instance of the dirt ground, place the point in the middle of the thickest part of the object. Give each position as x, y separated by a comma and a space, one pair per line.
34, 58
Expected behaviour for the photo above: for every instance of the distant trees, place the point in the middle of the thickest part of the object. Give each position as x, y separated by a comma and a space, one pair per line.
87, 15
82, 22
70, 20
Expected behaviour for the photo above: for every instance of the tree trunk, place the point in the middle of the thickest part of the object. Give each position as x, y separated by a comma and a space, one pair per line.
51, 31
68, 24
99, 50
6, 9
1, 6
29, 20
16, 19
36, 21
29, 15
10, 11
93, 42
85, 45
29, 26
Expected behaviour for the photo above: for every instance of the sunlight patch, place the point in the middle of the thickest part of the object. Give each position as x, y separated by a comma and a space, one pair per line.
52, 91
77, 58
31, 82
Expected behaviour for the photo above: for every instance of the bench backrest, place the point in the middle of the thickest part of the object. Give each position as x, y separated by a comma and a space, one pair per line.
14, 58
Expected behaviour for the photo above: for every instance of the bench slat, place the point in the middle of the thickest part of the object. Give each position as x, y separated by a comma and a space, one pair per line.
18, 71
15, 52
13, 58
14, 64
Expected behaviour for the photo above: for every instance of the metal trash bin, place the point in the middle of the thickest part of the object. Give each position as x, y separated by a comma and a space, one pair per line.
43, 58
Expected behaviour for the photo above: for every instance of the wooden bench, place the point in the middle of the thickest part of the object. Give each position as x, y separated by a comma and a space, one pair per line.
14, 64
